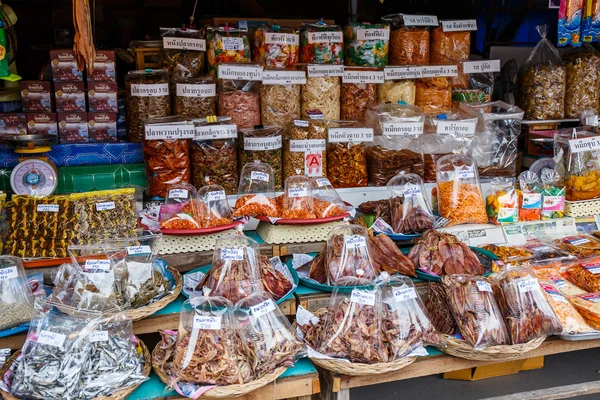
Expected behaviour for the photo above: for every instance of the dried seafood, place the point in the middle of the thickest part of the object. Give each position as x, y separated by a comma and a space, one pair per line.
348, 260
273, 280
509, 253
387, 256
585, 275
416, 220
588, 305
318, 270
84, 42
229, 279
377, 208
571, 321
580, 245
439, 309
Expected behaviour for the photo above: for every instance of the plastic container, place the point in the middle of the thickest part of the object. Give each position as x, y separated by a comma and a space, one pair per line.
305, 148
279, 100
321, 43
397, 92
326, 200
433, 95
582, 79
359, 92
322, 93
366, 45
195, 97
225, 46
276, 46
448, 46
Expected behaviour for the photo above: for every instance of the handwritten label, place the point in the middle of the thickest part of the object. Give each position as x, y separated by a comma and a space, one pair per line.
263, 308
291, 39
259, 144
178, 193
362, 76
466, 173
402, 128
232, 254
484, 286
325, 70
240, 72
138, 250
170, 131
105, 206
405, 294
420, 20
217, 195
527, 285
275, 77
362, 297
314, 145
206, 322
411, 191
8, 273
585, 144
337, 135
456, 127
51, 338
259, 176
373, 34
354, 242
97, 264
149, 90
326, 37
100, 336
321, 182
184, 43
474, 67
233, 43
191, 90
297, 192
459, 25
215, 132
47, 208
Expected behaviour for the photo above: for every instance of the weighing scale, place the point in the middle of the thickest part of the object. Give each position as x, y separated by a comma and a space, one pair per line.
34, 175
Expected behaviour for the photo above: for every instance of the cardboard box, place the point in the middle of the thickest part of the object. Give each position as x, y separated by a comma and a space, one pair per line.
102, 127
70, 97
541, 143
13, 124
42, 124
73, 128
102, 97
104, 67
36, 96
64, 66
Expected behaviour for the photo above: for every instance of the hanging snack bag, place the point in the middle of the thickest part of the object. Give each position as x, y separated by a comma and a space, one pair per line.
214, 209
530, 197
502, 202
238, 90
280, 96
397, 145
195, 97
183, 51
542, 80
569, 22
322, 91
17, 301
410, 209
348, 254
326, 200
590, 29
276, 47
226, 45
264, 143
366, 45
166, 149
256, 191
409, 38
553, 195
583, 77
297, 198
305, 148
459, 194
452, 41
180, 210
347, 154
215, 153
359, 92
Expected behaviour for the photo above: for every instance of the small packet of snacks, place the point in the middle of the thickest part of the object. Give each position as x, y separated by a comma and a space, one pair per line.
17, 301
180, 210
571, 321
409, 206
553, 195
226, 45
183, 51
348, 254
213, 207
526, 312
530, 197
256, 191
326, 200
580, 246
502, 202
297, 198
585, 275
577, 163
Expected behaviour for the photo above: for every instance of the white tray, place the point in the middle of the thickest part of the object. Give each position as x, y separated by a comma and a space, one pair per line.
581, 336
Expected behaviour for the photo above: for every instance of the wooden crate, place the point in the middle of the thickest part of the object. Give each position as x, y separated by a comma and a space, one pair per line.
147, 57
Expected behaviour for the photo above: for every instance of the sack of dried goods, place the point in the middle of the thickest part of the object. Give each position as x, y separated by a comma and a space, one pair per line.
215, 153
180, 209
396, 91
475, 310
542, 80
359, 92
411, 212
441, 253
276, 46
409, 38
322, 91
166, 149
588, 306
433, 95
435, 147
238, 90
264, 143
580, 246
451, 41
304, 148
183, 51
280, 96
526, 312
321, 43
347, 153
213, 207
583, 77
571, 321
501, 204
366, 45
553, 195
16, 306
438, 309
146, 96
459, 194
509, 253
226, 45
195, 97
585, 274
578, 163
530, 197
348, 254
397, 144
256, 192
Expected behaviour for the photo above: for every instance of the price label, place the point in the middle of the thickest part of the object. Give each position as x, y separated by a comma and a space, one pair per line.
362, 76
264, 143
459, 25
585, 144
206, 322
138, 250
301, 123
373, 34
263, 308
191, 90
362, 297
325, 37
275, 77
149, 90
484, 286
420, 20
411, 191
456, 127
432, 71
215, 132
232, 254
170, 131
184, 43
310, 145
402, 128
286, 39
321, 182
592, 268
51, 338
232, 43
342, 135
474, 67
100, 336
259, 176
527, 285
593, 297
466, 173
8, 273
297, 192
178, 193
405, 294
217, 195
105, 206
47, 208
395, 73
324, 70
240, 72
97, 264
355, 242
576, 240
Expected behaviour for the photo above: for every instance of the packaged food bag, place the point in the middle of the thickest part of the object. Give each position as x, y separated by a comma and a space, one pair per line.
502, 202
347, 153
226, 45
449, 44
409, 206
571, 321
475, 310
544, 251
435, 147
322, 91
276, 46
266, 333
459, 194
305, 148
238, 92
280, 96
321, 43
588, 306
577, 163
530, 197
195, 97
397, 91
183, 51
409, 43
590, 29
298, 200
509, 253
569, 22
433, 95
213, 207
180, 210
553, 195
583, 76
359, 92
585, 274
348, 254
256, 191
326, 200
526, 312
542, 80
366, 45
473, 87
17, 301
276, 278
264, 143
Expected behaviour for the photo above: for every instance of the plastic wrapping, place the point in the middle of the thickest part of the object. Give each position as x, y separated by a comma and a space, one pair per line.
279, 103
305, 148
326, 201
195, 97
579, 166
542, 80
435, 147
553, 195
397, 91
409, 45
256, 191
238, 90
433, 95
264, 143
321, 43
590, 26
502, 202
347, 153
146, 96
276, 47
16, 305
571, 321
569, 22
183, 51
475, 310
357, 97
411, 212
526, 312
585, 275
397, 144
348, 254
587, 306
215, 153
581, 246
366, 45
459, 194
323, 94
583, 80
530, 197
180, 210
543, 251
439, 309
474, 87
509, 253
166, 149
297, 198
448, 46
213, 207
226, 45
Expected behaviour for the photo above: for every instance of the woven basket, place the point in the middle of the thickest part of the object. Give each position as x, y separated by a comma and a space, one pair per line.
360, 369
221, 391
118, 395
460, 348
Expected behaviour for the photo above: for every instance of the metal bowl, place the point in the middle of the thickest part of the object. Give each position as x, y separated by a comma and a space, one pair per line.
30, 141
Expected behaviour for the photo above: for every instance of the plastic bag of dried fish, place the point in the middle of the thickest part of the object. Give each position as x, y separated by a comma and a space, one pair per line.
409, 204
585, 275
580, 245
256, 191
265, 333
214, 210
16, 300
183, 51
264, 143
180, 210
195, 97
348, 254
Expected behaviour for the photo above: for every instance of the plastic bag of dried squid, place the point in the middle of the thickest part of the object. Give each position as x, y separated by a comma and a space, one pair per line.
183, 51
348, 254
397, 142
409, 38
409, 204
347, 153
451, 41
180, 210
326, 200
526, 312
256, 191
238, 91
213, 207
297, 198
359, 92
207, 350
266, 333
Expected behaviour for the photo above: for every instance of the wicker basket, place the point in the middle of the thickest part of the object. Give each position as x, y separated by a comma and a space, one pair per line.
460, 348
121, 394
360, 369
219, 392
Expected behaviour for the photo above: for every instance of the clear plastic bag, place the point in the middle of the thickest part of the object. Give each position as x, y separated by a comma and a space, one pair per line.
321, 43
502, 202
542, 80
16, 300
357, 97
226, 45
397, 92
530, 197
297, 198
475, 310
279, 102
435, 147
459, 194
433, 95
397, 145
183, 59
579, 167
366, 45
553, 195
213, 207
526, 312
347, 153
348, 254
238, 92
471, 88
180, 210
409, 205
266, 333
322, 93
195, 97
256, 191
409, 45
326, 200
585, 275
276, 47
305, 148
572, 322
583, 79
264, 143
448, 46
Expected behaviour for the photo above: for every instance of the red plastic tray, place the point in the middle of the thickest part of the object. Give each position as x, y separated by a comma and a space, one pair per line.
203, 231
312, 221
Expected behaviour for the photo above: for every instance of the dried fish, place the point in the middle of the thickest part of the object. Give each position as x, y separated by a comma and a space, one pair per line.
439, 309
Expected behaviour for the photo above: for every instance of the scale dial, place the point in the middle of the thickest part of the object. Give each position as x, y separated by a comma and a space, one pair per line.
34, 177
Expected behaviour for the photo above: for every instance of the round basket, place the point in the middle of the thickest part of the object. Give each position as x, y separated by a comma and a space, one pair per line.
219, 392
460, 348
360, 369
121, 394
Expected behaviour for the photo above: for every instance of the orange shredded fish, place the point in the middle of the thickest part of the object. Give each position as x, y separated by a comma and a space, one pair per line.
461, 203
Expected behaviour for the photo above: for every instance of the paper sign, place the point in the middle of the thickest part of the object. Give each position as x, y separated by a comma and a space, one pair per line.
484, 286
362, 297
100, 336
263, 308
207, 322
138, 250
354, 241
184, 43
527, 285
232, 254
105, 206
402, 128
97, 264
342, 135
149, 90
169, 131
405, 294
459, 25
420, 20
259, 176
474, 67
178, 193
47, 207
191, 90
8, 273
51, 338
